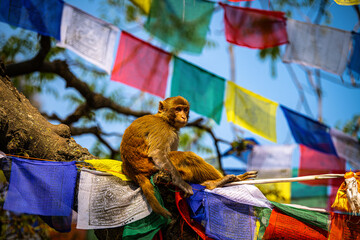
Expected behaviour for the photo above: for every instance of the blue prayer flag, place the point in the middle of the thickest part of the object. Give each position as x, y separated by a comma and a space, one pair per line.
355, 56
309, 132
226, 218
42, 16
41, 188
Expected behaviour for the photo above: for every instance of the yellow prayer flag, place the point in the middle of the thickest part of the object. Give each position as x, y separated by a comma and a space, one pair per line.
276, 192
111, 166
347, 2
143, 5
251, 111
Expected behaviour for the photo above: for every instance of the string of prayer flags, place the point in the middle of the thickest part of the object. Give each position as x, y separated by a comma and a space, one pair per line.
282, 226
141, 65
254, 28
91, 38
309, 132
309, 45
251, 111
354, 63
144, 5
111, 166
226, 218
182, 25
41, 16
347, 2
203, 90
313, 162
347, 147
105, 201
345, 227
41, 188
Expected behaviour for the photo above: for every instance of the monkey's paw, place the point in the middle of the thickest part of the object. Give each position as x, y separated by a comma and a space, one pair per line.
247, 176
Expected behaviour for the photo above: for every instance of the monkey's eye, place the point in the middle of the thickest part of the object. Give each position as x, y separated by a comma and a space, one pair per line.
178, 109
186, 109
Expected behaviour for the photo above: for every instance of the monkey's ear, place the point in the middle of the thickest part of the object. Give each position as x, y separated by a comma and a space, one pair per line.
161, 107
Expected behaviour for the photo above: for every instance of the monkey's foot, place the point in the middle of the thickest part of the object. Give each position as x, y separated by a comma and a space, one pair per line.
247, 175
211, 184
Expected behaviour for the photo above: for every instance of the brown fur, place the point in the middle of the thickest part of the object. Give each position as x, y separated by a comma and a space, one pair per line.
146, 143
194, 169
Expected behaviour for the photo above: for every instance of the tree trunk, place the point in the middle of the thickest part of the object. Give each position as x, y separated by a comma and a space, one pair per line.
24, 131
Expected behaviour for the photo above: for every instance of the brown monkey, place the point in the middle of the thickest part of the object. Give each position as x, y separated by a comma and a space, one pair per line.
193, 168
146, 144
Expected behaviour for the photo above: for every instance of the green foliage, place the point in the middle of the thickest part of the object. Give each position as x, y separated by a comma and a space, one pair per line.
273, 54
352, 127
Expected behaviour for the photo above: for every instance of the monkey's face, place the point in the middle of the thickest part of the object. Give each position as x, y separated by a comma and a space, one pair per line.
181, 116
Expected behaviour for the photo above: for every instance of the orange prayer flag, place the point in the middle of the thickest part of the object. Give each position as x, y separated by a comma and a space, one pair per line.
282, 226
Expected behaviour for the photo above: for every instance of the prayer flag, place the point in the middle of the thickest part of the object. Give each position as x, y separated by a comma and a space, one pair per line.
344, 226
313, 162
203, 90
141, 65
41, 188
143, 5
346, 146
105, 201
354, 63
243, 194
347, 2
314, 218
282, 226
272, 157
41, 16
185, 214
113, 167
183, 25
309, 45
254, 28
251, 111
148, 227
226, 218
89, 37
309, 132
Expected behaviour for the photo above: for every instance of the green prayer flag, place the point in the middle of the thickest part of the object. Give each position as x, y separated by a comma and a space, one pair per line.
314, 218
203, 90
181, 24
146, 228
263, 216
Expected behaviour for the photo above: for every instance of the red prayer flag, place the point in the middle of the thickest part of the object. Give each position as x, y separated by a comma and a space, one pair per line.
282, 226
313, 162
141, 65
345, 227
254, 28
185, 214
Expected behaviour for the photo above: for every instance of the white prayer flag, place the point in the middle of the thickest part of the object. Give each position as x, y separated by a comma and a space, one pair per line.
105, 201
317, 46
275, 159
346, 146
89, 37
244, 194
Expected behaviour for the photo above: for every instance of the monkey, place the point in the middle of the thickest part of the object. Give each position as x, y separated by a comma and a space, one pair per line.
146, 144
195, 169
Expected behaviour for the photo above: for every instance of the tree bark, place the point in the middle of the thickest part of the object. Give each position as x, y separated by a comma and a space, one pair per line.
24, 131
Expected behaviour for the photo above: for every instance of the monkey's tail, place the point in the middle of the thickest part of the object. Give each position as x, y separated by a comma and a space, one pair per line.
149, 192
